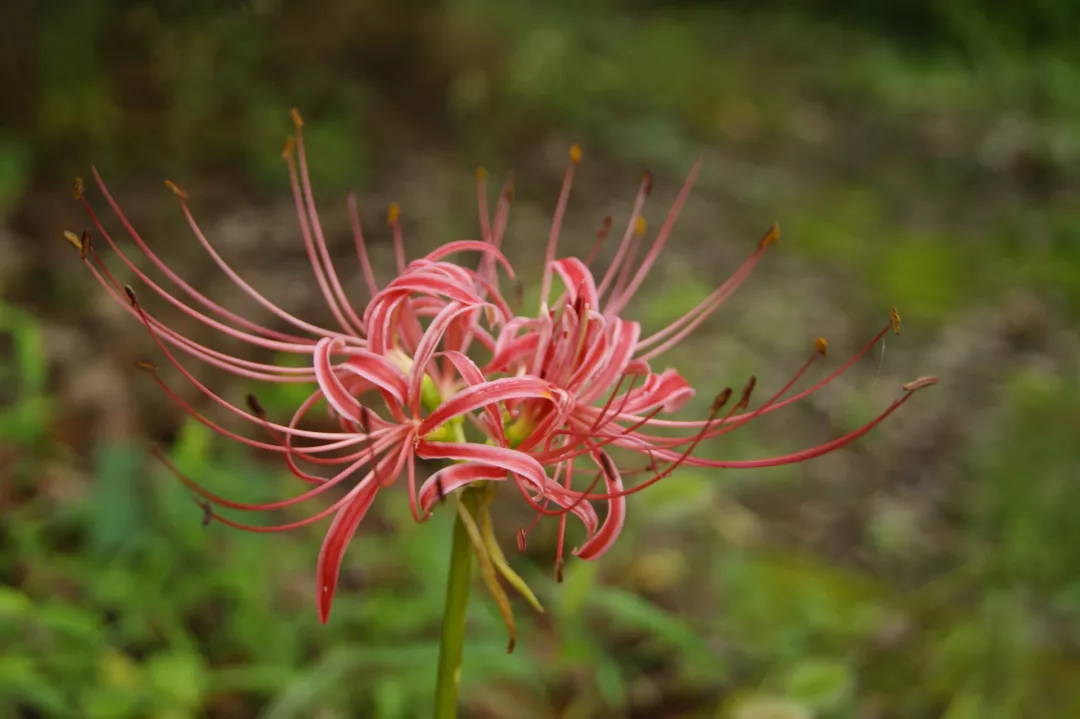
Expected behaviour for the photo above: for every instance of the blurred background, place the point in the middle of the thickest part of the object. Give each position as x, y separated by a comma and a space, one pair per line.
922, 155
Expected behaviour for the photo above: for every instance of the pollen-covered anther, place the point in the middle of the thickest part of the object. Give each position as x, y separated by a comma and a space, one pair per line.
772, 236
821, 346
289, 148
393, 213
481, 173
146, 366
297, 120
894, 320
75, 240
575, 153
640, 226
919, 383
744, 401
77, 188
176, 189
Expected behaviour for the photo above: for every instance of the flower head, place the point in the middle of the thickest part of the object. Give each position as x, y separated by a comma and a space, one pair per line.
559, 393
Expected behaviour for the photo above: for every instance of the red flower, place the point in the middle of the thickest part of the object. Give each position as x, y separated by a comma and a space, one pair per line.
566, 385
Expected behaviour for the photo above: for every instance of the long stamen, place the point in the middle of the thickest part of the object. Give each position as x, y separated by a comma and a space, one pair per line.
311, 230
601, 235
556, 222
179, 281
682, 327
361, 246
639, 202
616, 303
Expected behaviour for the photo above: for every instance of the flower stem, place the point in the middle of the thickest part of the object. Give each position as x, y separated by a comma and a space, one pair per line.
457, 602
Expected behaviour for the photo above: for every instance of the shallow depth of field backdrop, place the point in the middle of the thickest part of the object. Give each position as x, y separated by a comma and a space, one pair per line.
924, 157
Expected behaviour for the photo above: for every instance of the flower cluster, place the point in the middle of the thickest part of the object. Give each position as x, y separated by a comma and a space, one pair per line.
441, 366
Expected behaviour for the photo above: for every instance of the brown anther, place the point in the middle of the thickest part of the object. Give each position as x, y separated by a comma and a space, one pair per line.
770, 237
646, 182
720, 400
521, 540
607, 466
605, 227
74, 239
519, 293
640, 225
440, 490
744, 401
919, 383
393, 213
77, 188
821, 346
296, 119
255, 406
481, 173
84, 250
131, 295
894, 320
508, 194
208, 513
146, 366
558, 571
575, 153
290, 147
176, 189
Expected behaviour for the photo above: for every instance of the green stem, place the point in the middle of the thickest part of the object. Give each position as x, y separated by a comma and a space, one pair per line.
453, 626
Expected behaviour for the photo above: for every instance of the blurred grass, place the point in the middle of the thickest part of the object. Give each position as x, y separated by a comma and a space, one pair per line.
929, 156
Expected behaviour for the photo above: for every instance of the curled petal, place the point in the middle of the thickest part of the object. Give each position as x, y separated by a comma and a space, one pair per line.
337, 539
603, 540
472, 398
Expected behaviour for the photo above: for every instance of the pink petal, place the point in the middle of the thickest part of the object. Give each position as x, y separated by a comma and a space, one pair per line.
603, 540
337, 539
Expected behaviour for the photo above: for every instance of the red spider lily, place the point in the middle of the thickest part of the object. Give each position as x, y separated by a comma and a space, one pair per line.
560, 387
